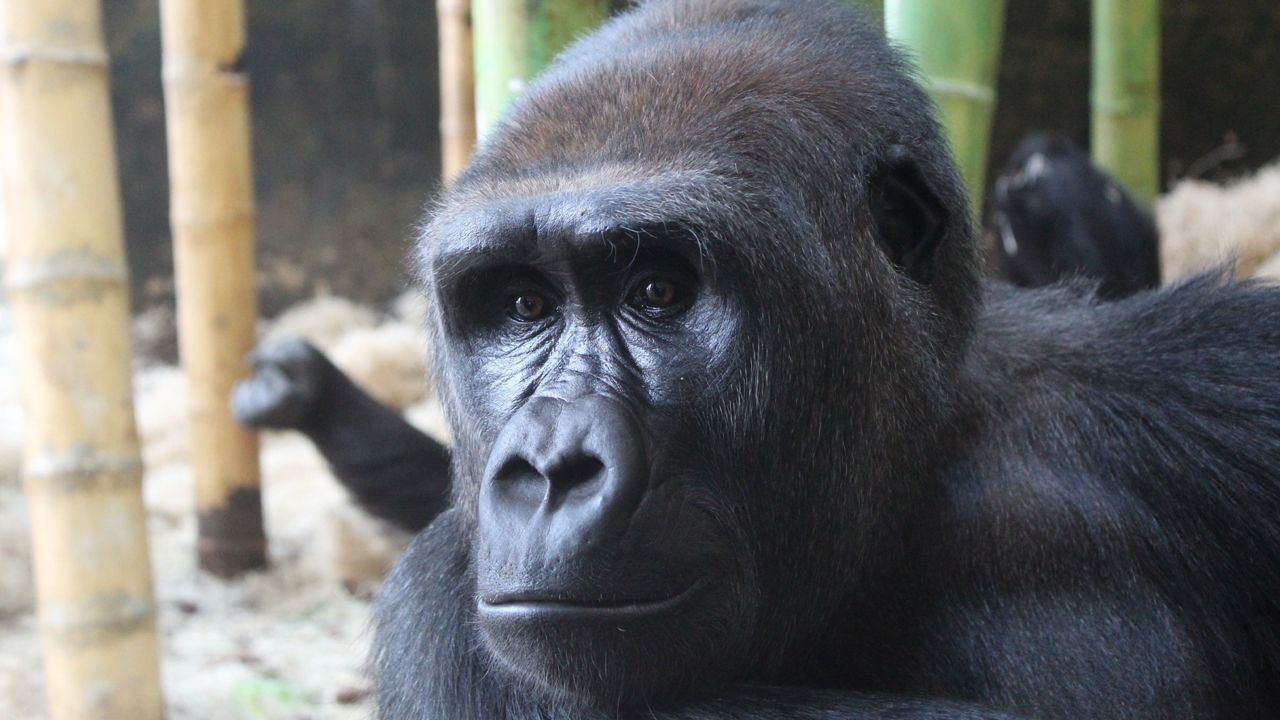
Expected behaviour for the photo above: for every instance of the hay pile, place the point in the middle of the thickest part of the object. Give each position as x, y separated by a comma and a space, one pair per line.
1203, 225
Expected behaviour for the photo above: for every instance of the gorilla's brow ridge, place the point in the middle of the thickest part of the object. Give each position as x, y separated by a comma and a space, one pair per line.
476, 246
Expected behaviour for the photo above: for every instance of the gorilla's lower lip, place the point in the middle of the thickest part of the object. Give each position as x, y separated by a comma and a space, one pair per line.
532, 606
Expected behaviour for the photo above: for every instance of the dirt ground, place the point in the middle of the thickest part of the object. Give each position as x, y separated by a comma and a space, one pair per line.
287, 643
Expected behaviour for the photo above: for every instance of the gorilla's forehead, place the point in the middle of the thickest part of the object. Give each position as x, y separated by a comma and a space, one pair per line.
676, 208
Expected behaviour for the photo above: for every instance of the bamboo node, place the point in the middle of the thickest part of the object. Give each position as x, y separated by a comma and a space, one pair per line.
19, 55
178, 75
96, 620
191, 222
1124, 105
79, 468
962, 88
63, 267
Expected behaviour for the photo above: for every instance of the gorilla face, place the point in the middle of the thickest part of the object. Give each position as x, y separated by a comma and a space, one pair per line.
684, 331
593, 349
641, 449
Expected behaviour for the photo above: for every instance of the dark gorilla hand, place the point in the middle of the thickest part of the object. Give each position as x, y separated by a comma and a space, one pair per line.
285, 386
1057, 216
392, 469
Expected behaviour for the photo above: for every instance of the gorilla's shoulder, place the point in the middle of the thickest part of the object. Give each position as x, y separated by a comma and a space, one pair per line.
1172, 393
1103, 429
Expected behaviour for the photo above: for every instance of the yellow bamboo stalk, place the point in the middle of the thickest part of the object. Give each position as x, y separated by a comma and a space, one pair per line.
66, 282
212, 215
457, 86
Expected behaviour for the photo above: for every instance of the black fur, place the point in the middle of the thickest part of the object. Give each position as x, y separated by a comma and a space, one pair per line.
906, 496
1055, 216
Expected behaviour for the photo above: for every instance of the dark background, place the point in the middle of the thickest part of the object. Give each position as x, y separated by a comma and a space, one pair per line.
345, 106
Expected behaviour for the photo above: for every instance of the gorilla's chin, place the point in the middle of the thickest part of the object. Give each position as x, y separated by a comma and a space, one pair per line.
603, 652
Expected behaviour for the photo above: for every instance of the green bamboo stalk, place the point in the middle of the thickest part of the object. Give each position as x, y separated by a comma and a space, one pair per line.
515, 39
1126, 92
957, 46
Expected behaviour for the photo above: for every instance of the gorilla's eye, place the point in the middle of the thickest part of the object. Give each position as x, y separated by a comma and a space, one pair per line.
658, 295
528, 307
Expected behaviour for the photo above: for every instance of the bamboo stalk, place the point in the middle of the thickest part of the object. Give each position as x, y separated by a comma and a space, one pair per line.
516, 39
457, 86
1126, 92
66, 282
957, 45
212, 214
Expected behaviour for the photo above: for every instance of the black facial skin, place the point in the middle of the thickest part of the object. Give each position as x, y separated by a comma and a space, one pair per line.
741, 434
1056, 216
587, 522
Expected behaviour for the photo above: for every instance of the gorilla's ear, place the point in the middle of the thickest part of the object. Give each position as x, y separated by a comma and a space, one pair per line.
909, 217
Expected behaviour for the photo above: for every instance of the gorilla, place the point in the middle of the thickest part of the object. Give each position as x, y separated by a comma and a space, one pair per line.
741, 432
1057, 215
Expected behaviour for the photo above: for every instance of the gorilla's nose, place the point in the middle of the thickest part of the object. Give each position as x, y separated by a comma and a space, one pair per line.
564, 475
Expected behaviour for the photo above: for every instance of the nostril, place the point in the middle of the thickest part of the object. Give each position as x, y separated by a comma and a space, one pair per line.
520, 481
577, 475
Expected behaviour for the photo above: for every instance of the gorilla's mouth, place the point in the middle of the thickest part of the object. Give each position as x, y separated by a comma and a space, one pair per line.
544, 606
